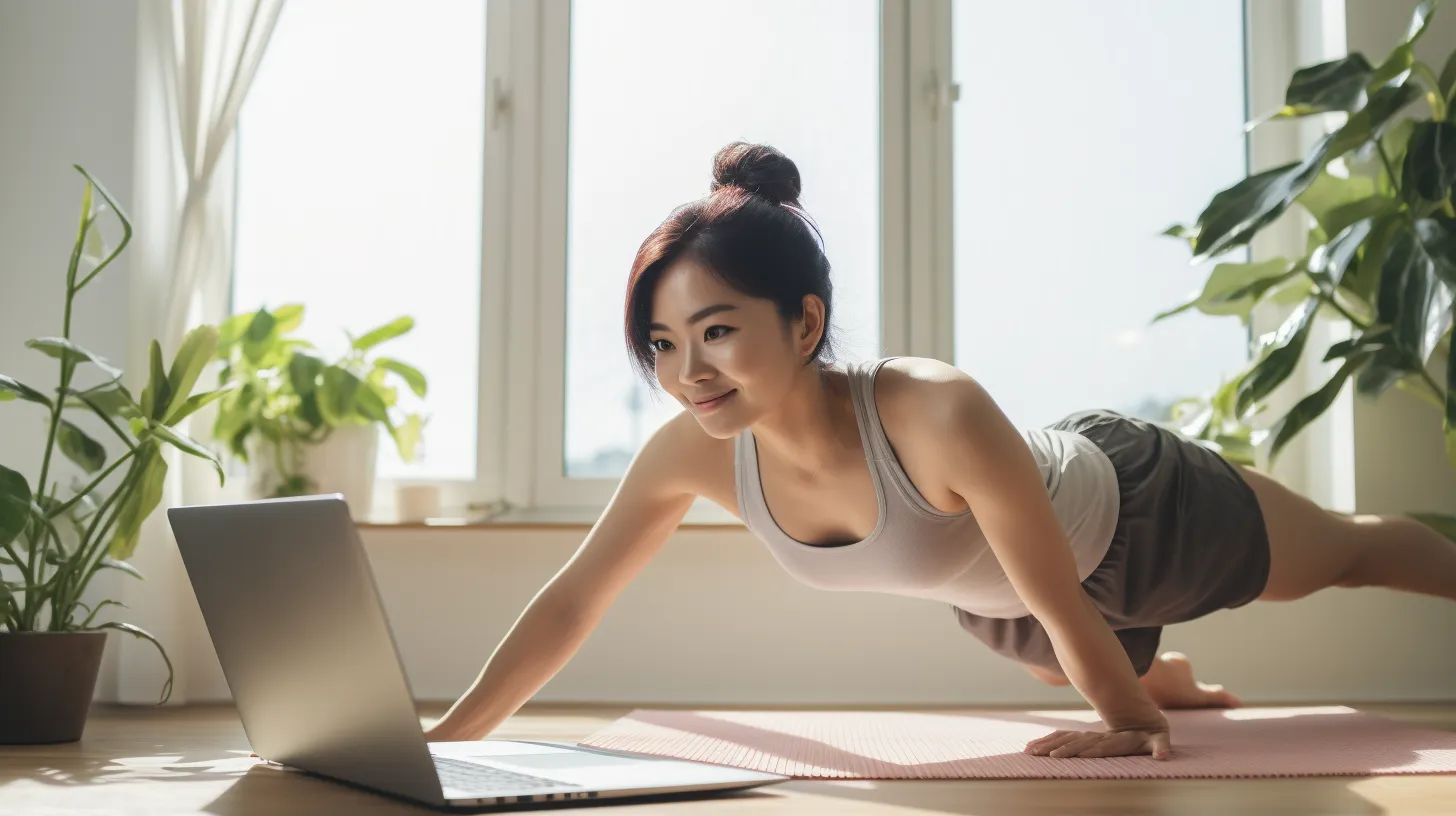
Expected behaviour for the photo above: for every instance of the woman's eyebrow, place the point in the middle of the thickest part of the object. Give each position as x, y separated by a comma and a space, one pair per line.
699, 315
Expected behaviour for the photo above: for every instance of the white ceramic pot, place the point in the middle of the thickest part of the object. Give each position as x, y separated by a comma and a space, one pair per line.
342, 463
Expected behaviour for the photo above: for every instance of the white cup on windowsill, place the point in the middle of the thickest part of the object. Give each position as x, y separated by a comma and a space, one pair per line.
417, 503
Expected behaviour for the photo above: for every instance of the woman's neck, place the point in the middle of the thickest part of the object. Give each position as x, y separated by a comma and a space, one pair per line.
814, 431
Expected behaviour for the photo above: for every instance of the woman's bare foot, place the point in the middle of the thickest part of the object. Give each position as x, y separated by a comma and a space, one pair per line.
1171, 684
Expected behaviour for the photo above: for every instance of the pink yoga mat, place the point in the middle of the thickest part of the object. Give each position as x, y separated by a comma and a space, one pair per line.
1243, 743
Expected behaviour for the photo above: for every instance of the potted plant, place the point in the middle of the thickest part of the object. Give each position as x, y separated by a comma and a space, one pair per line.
303, 424
54, 540
1380, 254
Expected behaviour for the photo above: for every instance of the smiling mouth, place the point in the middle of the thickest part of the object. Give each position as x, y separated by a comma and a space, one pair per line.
718, 400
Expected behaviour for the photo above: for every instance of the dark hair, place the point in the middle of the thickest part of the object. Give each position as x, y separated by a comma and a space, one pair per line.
750, 232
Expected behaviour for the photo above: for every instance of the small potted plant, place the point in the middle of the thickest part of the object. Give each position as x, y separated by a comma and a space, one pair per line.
305, 425
54, 540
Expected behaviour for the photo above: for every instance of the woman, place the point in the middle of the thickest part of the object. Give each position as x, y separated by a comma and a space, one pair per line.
1066, 548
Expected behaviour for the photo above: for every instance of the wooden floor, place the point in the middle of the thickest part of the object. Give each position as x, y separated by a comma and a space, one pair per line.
195, 759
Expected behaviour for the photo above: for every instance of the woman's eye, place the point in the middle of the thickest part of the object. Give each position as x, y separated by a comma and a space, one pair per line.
707, 335
660, 348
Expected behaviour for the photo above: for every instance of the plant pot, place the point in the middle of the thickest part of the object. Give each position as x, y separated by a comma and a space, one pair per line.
47, 680
344, 462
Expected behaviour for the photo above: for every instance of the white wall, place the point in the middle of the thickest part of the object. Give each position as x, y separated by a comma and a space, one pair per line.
712, 620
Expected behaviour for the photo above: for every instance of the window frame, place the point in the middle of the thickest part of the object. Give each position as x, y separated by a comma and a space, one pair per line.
522, 347
539, 480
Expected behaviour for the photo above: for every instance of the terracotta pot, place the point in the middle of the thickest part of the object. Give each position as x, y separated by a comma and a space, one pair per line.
47, 680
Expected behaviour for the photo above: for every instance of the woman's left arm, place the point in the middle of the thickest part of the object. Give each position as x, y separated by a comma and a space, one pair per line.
989, 466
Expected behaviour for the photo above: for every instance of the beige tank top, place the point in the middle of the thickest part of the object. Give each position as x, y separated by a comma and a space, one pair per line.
919, 551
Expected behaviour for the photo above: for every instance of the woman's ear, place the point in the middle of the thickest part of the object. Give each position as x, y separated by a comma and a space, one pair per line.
811, 326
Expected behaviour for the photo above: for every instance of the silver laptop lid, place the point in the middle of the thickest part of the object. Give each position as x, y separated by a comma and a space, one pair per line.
294, 614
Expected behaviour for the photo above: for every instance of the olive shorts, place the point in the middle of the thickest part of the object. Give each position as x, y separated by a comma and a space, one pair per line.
1190, 539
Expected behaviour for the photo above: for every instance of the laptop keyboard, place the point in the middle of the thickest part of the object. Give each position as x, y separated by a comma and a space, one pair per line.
470, 776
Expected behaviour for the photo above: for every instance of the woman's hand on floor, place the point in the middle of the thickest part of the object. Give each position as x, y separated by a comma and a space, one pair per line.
1087, 744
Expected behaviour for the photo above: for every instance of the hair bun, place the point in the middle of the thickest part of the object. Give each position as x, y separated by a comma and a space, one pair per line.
759, 169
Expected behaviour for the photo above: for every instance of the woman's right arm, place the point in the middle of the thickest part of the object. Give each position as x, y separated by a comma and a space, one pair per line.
649, 503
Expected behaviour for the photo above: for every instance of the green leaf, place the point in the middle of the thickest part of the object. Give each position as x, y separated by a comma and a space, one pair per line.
289, 317
230, 331
1227, 290
107, 562
259, 335
72, 285
156, 395
1430, 291
1410, 294
1420, 19
1237, 213
93, 244
145, 635
1330, 261
370, 405
235, 412
308, 411
385, 332
1395, 66
188, 445
61, 349
1370, 121
112, 398
1308, 409
1448, 76
15, 504
1373, 207
1363, 278
195, 353
11, 388
412, 376
337, 393
151, 472
303, 372
1377, 337
1430, 162
1328, 193
197, 402
1329, 86
1438, 248
1279, 354
80, 448
407, 436
1403, 57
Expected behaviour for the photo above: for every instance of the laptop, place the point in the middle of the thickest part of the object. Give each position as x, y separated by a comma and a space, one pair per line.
294, 614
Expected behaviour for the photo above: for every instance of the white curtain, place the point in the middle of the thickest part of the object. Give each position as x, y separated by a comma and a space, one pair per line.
197, 59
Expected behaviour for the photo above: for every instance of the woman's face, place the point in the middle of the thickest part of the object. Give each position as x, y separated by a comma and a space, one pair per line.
725, 356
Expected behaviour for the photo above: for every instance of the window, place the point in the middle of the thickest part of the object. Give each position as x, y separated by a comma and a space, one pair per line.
359, 196
394, 162
657, 86
1119, 118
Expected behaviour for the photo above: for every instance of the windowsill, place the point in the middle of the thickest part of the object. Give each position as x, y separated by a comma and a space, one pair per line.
549, 518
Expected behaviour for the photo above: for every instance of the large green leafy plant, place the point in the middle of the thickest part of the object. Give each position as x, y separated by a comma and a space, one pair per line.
58, 539
289, 396
1381, 253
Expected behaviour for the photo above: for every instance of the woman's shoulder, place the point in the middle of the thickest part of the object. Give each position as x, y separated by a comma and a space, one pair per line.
920, 400
921, 387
